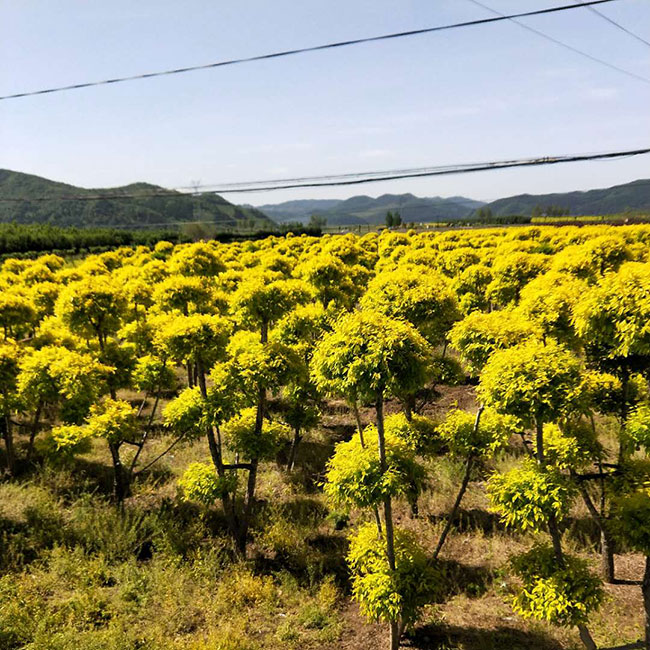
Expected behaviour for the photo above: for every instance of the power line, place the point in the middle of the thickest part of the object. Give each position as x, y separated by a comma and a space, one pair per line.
303, 50
617, 25
349, 179
214, 222
566, 46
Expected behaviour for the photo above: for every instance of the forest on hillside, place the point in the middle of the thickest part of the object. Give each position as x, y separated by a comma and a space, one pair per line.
28, 199
428, 440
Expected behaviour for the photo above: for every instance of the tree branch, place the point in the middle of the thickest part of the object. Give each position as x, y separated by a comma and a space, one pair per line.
157, 458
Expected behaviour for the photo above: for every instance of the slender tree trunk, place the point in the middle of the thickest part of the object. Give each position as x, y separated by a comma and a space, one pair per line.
388, 507
646, 601
622, 445
607, 546
409, 405
190, 375
143, 403
388, 514
606, 541
7, 436
34, 431
586, 638
539, 440
248, 508
454, 510
357, 416
214, 445
147, 430
395, 634
294, 446
607, 566
556, 538
461, 492
252, 481
120, 485
252, 472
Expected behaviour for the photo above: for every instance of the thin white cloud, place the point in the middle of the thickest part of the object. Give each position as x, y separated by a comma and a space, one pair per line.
602, 93
374, 153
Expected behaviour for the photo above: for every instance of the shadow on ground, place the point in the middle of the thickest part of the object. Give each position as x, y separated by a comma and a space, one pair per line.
446, 637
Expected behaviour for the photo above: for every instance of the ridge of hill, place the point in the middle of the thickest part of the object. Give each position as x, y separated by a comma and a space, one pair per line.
364, 209
113, 209
359, 210
628, 197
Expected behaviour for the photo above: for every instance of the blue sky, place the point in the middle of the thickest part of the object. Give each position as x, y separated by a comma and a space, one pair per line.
477, 94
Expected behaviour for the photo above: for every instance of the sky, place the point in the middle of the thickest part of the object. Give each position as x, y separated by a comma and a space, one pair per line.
483, 93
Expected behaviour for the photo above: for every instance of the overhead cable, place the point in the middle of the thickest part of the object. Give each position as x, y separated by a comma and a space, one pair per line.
344, 179
302, 50
566, 46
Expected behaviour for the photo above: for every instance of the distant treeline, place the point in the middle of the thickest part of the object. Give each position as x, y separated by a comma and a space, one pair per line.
25, 239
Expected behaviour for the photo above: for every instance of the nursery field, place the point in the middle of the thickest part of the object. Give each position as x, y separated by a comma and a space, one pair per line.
431, 440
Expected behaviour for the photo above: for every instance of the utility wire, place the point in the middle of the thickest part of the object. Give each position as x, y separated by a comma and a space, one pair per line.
303, 50
566, 46
347, 179
617, 25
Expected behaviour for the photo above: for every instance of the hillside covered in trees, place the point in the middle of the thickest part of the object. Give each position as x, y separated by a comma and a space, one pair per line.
359, 210
27, 199
631, 197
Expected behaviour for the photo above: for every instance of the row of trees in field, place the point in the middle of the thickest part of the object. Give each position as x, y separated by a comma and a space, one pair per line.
34, 239
251, 338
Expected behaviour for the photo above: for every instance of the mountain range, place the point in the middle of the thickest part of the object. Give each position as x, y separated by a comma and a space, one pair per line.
25, 198
629, 197
367, 210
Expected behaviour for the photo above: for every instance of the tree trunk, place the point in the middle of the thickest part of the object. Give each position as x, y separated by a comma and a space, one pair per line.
7, 436
357, 416
585, 637
248, 508
606, 541
607, 546
409, 406
228, 502
556, 538
454, 510
120, 485
395, 635
461, 492
388, 507
294, 446
34, 431
539, 440
607, 556
252, 472
645, 589
623, 445
145, 435
388, 514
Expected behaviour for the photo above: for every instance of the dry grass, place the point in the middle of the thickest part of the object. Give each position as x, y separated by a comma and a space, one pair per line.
179, 589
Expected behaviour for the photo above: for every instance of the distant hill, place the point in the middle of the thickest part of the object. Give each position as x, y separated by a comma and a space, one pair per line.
367, 210
297, 210
52, 207
630, 197
359, 210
